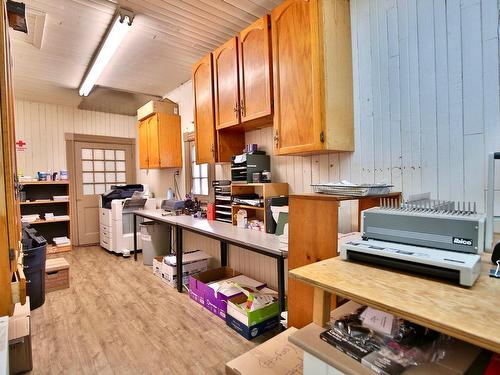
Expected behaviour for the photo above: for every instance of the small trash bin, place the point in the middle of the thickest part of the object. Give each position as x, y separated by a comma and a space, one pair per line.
155, 240
34, 255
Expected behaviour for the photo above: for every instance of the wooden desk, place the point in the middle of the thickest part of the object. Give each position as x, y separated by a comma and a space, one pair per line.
313, 233
470, 314
227, 234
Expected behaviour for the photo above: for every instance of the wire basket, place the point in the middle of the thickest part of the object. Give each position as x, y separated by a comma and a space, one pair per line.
354, 190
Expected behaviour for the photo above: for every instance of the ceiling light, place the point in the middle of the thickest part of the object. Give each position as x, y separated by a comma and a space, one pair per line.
119, 28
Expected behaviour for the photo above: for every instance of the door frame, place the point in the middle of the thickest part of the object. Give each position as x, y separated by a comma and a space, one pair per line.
71, 139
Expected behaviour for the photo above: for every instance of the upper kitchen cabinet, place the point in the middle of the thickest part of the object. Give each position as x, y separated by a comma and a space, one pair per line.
160, 142
255, 72
227, 105
312, 77
143, 144
204, 118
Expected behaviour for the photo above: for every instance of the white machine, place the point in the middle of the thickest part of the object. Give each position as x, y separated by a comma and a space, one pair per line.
116, 217
461, 268
431, 238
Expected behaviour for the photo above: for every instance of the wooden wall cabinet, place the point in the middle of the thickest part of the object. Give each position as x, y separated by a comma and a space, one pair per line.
242, 79
212, 145
255, 72
160, 142
204, 117
312, 77
227, 107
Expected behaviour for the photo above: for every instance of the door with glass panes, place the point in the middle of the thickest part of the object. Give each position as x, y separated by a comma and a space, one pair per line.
98, 166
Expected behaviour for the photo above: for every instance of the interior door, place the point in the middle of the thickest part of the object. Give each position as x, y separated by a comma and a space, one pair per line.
227, 101
204, 120
143, 144
98, 166
153, 150
297, 77
255, 70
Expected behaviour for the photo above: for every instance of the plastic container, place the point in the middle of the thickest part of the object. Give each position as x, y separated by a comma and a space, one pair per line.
155, 241
34, 270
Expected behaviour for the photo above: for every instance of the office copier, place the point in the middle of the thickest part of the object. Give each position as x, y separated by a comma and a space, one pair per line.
116, 208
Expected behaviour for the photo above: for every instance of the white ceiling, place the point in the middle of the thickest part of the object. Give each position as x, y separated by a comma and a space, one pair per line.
167, 36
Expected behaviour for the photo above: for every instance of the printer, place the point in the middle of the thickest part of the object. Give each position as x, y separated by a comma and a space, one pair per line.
432, 238
116, 208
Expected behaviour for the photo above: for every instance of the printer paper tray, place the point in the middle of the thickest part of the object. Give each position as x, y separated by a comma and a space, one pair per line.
422, 269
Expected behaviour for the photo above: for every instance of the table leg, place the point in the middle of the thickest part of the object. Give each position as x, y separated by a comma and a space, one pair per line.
135, 237
223, 253
178, 256
321, 307
281, 283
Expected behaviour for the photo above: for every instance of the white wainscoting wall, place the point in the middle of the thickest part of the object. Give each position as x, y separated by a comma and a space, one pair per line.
42, 126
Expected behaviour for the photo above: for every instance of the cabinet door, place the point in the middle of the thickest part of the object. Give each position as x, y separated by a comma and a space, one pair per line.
226, 84
204, 123
169, 140
143, 144
153, 149
255, 70
297, 77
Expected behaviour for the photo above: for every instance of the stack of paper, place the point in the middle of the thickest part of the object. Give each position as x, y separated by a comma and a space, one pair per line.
61, 241
49, 216
30, 218
61, 197
61, 217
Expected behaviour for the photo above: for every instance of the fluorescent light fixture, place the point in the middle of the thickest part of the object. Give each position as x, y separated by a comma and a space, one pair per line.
119, 28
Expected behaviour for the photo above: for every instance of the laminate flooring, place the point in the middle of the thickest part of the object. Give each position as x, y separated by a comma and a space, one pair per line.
118, 318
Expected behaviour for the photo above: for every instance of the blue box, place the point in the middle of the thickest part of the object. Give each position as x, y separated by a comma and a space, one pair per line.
253, 331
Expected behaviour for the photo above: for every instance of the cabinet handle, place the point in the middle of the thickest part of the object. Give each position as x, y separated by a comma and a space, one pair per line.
242, 108
213, 150
236, 109
276, 138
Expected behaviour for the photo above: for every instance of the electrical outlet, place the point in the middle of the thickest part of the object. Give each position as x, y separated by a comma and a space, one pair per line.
177, 173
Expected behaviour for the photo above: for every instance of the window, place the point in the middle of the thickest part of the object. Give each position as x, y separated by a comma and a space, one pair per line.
198, 176
101, 169
199, 173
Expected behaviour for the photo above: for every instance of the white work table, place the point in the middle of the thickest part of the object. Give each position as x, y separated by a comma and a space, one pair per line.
228, 234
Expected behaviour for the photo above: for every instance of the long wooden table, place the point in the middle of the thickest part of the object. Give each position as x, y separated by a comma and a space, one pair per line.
227, 234
470, 314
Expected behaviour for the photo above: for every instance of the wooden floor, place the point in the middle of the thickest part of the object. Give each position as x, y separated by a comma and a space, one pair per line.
118, 318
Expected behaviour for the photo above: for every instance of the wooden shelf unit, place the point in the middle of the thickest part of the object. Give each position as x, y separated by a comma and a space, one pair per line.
264, 190
44, 191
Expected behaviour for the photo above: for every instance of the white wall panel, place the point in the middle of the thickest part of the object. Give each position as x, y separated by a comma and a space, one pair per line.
42, 126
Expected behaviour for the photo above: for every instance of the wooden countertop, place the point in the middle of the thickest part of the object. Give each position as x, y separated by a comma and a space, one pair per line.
265, 242
470, 314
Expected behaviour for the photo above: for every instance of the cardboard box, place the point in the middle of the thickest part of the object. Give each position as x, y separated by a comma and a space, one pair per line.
252, 317
20, 357
275, 356
157, 263
192, 263
204, 288
19, 322
253, 331
156, 106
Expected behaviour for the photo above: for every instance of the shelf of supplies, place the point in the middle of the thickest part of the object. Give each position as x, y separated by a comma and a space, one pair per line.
44, 182
48, 221
43, 202
248, 207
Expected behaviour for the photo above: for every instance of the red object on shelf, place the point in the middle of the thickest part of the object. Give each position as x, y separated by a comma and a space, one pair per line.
494, 365
211, 211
